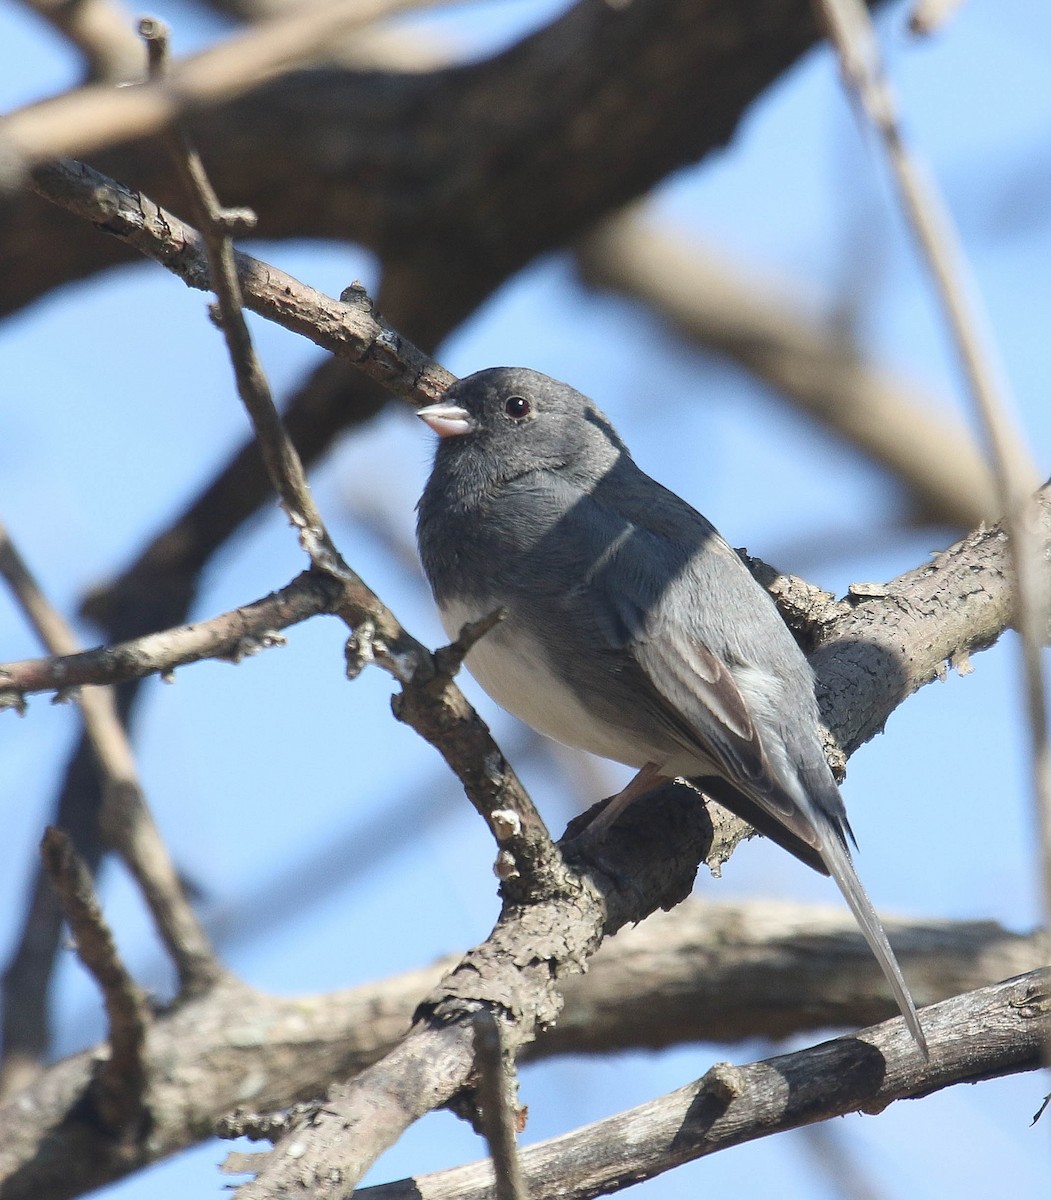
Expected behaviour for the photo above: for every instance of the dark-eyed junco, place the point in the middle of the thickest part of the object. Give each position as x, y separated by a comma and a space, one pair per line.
633, 630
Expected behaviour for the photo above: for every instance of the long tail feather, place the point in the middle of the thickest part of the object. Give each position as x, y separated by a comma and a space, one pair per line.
836, 857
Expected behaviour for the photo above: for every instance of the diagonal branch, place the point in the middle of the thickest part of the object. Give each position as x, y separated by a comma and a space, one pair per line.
648, 861
701, 973
126, 817
996, 1031
349, 327
97, 115
119, 1087
430, 701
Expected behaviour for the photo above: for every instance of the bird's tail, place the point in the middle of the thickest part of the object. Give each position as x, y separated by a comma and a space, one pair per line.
836, 856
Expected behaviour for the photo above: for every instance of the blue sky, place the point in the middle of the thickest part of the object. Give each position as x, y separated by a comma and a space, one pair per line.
257, 770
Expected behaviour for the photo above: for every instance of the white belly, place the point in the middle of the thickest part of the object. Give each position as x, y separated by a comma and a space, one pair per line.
514, 671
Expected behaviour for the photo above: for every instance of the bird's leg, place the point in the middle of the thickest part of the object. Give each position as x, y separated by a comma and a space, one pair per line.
643, 783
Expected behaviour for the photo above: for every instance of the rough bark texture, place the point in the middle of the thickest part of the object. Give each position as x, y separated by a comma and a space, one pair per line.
712, 972
456, 178
460, 176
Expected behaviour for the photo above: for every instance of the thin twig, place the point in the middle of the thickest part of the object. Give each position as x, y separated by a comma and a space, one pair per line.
126, 818
498, 1117
120, 1082
230, 636
98, 115
430, 701
24, 991
851, 30
216, 224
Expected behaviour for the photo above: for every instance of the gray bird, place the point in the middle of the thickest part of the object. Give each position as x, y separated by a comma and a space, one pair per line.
633, 630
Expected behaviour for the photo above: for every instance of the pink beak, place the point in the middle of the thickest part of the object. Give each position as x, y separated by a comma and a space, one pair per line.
447, 420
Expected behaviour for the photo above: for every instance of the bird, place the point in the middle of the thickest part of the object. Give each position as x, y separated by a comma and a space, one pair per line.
631, 628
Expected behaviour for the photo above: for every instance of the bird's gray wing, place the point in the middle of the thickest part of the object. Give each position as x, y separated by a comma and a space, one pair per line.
673, 605
698, 701
675, 631
698, 698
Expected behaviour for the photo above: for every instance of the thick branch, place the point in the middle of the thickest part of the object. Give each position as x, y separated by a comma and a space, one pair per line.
97, 115
998, 1030
703, 972
462, 174
883, 646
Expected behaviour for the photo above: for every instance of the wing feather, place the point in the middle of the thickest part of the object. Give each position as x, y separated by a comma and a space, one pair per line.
700, 704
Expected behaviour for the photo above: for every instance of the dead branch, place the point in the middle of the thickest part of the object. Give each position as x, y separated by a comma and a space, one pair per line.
233, 636
998, 1030
126, 818
349, 327
703, 972
498, 1115
119, 1085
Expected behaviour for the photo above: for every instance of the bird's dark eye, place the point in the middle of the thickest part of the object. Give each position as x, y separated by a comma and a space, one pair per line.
517, 407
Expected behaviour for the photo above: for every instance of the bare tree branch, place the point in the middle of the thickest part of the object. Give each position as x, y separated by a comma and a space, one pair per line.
998, 1030
97, 115
216, 225
127, 823
119, 1086
232, 635
850, 29
496, 1108
811, 364
429, 697
703, 972
871, 656
102, 31
349, 327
